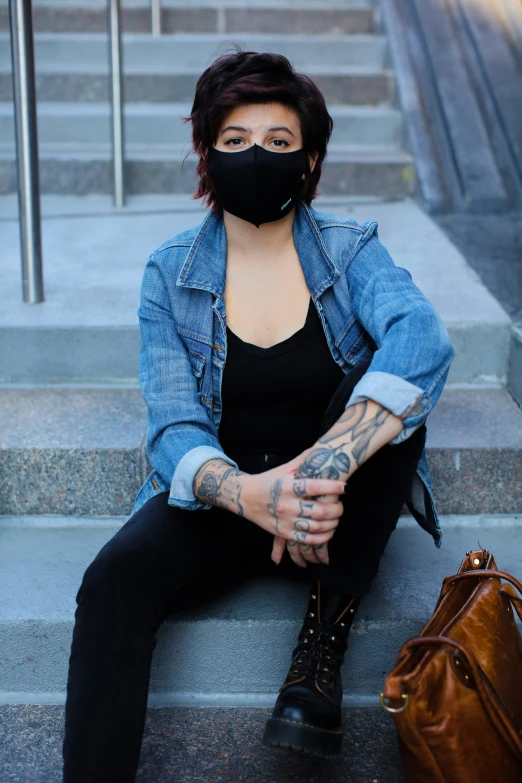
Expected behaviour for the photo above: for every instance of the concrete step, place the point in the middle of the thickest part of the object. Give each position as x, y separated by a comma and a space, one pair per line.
224, 18
154, 125
349, 171
347, 85
251, 620
515, 364
61, 449
187, 744
87, 332
83, 52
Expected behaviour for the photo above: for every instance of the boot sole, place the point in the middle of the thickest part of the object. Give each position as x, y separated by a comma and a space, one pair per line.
298, 736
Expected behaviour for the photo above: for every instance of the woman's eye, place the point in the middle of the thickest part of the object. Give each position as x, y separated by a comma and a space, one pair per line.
235, 142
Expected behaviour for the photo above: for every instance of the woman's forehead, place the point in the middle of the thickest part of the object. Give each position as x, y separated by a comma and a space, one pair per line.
254, 116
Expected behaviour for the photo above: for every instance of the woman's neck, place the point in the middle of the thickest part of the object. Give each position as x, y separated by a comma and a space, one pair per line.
250, 244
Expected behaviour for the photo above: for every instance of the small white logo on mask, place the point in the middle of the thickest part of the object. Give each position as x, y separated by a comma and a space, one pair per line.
286, 203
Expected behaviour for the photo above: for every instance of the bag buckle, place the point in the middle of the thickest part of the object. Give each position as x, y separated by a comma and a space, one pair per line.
405, 697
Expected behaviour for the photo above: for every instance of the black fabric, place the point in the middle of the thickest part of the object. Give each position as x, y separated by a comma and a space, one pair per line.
163, 555
256, 184
274, 399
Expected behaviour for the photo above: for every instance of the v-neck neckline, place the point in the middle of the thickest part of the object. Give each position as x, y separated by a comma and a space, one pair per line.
278, 348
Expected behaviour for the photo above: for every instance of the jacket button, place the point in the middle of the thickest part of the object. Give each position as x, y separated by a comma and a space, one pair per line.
217, 347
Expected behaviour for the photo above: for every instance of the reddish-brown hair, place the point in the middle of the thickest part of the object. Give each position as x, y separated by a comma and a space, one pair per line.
256, 77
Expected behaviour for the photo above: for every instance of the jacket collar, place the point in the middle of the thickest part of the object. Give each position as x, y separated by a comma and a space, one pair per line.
205, 264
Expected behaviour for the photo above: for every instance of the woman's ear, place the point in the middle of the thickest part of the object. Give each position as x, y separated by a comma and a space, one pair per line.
312, 160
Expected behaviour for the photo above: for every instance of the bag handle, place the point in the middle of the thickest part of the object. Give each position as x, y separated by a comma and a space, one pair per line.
515, 600
487, 573
494, 709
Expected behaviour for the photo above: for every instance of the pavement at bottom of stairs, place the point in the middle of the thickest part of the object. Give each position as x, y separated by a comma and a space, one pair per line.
199, 745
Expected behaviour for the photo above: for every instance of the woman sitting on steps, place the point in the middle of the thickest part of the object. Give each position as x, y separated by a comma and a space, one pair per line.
288, 368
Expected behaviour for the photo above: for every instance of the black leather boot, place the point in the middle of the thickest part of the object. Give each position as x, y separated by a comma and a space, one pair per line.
307, 714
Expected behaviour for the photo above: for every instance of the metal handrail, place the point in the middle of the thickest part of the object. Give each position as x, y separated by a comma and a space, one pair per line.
26, 132
116, 71
24, 91
156, 17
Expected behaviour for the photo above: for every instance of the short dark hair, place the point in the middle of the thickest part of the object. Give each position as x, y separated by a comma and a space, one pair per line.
256, 77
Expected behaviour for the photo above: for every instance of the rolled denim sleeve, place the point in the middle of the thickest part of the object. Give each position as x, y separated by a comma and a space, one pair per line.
414, 353
180, 435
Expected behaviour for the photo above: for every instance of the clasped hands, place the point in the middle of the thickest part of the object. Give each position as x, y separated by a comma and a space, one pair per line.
303, 513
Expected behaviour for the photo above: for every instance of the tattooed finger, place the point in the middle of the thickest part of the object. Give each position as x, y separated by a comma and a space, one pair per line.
300, 487
305, 510
298, 536
318, 546
304, 547
302, 524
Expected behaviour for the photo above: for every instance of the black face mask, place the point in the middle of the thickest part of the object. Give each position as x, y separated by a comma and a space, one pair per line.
258, 185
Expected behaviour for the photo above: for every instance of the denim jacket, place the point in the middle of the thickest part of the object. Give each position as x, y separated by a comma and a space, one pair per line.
369, 309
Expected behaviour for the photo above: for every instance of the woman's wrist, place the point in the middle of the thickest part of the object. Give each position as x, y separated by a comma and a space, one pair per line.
223, 485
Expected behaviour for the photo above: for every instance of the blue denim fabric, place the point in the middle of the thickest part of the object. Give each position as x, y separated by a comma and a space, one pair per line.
369, 308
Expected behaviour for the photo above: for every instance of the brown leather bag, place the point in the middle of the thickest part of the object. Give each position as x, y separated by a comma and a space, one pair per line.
456, 690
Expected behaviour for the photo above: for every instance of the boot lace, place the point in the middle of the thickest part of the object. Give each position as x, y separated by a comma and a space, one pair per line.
320, 647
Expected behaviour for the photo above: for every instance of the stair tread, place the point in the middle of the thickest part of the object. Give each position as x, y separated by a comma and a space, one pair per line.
64, 108
146, 53
295, 4
337, 153
92, 419
313, 70
42, 566
97, 419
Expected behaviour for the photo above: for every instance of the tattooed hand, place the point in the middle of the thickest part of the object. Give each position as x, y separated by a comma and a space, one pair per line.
278, 502
359, 432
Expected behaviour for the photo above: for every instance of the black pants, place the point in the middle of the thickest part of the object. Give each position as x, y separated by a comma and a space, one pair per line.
134, 583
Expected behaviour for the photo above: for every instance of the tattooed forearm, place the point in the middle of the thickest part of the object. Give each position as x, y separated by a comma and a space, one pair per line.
359, 432
219, 484
356, 431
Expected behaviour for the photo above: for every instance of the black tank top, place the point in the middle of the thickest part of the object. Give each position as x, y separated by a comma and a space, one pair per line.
274, 398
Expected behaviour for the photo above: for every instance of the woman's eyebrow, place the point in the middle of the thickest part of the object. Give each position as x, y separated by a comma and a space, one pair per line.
248, 130
281, 128
236, 128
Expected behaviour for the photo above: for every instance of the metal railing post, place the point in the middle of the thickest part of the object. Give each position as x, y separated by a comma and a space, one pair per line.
24, 90
156, 17
115, 59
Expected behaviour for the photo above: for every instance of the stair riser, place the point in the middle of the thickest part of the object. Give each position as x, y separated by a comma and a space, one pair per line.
195, 657
38, 481
202, 20
94, 127
515, 364
371, 89
388, 181
200, 653
481, 352
111, 356
80, 54
70, 481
